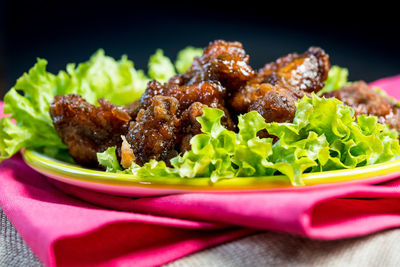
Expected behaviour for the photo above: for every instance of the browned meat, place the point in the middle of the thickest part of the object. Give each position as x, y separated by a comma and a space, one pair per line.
222, 67
87, 129
154, 134
191, 126
132, 109
224, 62
275, 89
209, 93
163, 138
161, 124
275, 104
306, 72
365, 100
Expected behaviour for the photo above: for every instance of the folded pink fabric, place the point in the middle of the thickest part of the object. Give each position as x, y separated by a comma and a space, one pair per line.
70, 226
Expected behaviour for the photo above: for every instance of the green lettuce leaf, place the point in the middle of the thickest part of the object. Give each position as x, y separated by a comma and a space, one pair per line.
339, 140
251, 152
337, 78
211, 151
324, 136
29, 106
103, 77
185, 58
12, 138
109, 160
152, 168
160, 67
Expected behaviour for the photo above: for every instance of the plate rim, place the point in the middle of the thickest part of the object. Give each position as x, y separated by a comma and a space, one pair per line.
48, 165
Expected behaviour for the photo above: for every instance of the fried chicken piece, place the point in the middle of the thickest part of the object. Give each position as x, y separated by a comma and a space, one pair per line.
365, 100
223, 62
155, 133
306, 72
207, 92
132, 109
274, 103
154, 137
190, 125
275, 89
222, 68
87, 129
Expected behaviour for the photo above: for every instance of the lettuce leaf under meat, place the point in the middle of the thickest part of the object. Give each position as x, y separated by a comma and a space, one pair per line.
323, 136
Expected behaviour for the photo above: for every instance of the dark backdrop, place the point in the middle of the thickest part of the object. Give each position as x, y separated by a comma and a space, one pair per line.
363, 39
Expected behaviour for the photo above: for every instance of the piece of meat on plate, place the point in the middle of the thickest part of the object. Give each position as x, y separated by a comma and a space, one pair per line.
365, 100
87, 129
222, 61
274, 90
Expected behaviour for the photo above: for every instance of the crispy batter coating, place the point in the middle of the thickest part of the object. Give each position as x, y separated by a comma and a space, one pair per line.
276, 87
306, 72
192, 95
144, 135
132, 109
222, 61
222, 68
207, 92
154, 134
87, 129
365, 100
274, 103
190, 126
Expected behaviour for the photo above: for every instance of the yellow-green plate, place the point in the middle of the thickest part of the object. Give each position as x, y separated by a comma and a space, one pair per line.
129, 185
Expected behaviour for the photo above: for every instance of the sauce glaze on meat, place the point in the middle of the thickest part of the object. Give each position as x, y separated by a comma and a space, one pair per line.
365, 100
160, 125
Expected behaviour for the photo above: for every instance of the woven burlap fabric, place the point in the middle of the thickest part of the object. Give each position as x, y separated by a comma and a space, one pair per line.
264, 249
13, 249
273, 249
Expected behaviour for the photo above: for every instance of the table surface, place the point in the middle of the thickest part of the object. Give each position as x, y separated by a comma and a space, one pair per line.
266, 248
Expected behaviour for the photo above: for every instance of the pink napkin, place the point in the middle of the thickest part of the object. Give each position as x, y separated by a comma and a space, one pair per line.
66, 226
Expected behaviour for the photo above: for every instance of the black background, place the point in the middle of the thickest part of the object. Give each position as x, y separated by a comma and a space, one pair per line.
365, 39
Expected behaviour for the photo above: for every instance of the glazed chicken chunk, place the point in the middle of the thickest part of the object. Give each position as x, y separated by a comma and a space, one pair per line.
276, 87
154, 132
365, 100
221, 69
225, 62
87, 129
